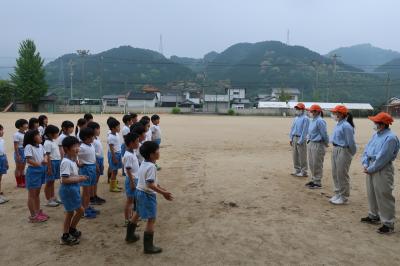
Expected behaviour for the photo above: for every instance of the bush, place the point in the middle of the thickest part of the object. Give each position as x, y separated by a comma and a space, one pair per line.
176, 110
231, 112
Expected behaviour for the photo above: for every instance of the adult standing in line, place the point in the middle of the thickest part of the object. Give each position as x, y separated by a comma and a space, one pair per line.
317, 141
344, 148
298, 134
377, 160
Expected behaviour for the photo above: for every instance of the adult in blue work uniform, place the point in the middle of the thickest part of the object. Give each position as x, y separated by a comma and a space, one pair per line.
298, 141
377, 160
317, 141
344, 148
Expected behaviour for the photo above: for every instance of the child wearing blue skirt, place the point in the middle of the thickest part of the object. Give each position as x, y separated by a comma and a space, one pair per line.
131, 166
114, 153
19, 155
87, 167
70, 191
146, 195
3, 163
53, 164
35, 174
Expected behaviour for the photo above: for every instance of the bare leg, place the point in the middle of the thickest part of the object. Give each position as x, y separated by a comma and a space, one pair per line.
67, 221
128, 208
150, 225
86, 196
77, 217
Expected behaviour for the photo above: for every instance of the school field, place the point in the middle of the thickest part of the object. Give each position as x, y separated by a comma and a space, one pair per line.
235, 204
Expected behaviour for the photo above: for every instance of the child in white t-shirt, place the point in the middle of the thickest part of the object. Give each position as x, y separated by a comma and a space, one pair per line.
3, 163
67, 128
155, 129
19, 156
114, 153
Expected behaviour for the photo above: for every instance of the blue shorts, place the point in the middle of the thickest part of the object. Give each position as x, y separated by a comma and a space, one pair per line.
158, 141
3, 165
100, 163
90, 171
35, 177
113, 166
21, 152
146, 205
70, 195
55, 171
129, 192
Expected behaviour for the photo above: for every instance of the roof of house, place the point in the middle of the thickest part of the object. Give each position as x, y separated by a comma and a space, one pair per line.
240, 101
286, 90
141, 96
113, 96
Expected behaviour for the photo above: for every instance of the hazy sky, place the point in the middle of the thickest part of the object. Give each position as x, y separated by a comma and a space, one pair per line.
195, 27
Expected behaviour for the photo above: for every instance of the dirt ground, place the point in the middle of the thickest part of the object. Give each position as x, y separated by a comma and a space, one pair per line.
235, 204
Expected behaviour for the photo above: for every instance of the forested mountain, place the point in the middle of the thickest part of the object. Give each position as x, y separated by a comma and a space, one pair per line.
197, 65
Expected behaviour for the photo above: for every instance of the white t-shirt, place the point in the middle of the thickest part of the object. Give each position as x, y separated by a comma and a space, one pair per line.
68, 168
2, 147
87, 154
138, 155
41, 130
148, 135
77, 135
115, 141
155, 132
131, 163
61, 138
125, 130
147, 173
98, 147
51, 147
35, 152
19, 137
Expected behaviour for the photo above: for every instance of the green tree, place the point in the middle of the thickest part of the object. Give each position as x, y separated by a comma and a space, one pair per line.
6, 92
29, 76
284, 97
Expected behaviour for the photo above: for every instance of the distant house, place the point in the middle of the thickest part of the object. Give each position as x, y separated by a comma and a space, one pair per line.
114, 100
393, 107
142, 100
190, 104
216, 103
171, 100
240, 103
291, 92
235, 93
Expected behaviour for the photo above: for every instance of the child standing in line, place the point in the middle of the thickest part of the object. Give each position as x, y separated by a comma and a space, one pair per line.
3, 163
108, 133
35, 174
88, 117
33, 124
53, 164
67, 128
19, 155
88, 167
69, 191
81, 124
98, 147
134, 118
127, 119
145, 120
43, 120
131, 165
146, 195
114, 153
155, 129
139, 129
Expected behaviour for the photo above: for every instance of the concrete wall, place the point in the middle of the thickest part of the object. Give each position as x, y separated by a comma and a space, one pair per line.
141, 103
210, 107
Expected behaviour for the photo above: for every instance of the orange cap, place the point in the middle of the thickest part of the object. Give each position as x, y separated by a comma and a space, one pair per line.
383, 118
340, 109
315, 107
300, 106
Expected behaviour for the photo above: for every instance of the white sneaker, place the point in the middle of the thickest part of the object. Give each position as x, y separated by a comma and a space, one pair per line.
3, 200
334, 198
295, 173
340, 201
52, 203
301, 175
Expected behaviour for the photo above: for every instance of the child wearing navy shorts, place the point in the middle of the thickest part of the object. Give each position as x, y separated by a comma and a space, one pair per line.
114, 153
19, 156
67, 128
35, 174
146, 194
70, 191
98, 147
3, 163
87, 167
131, 166
53, 164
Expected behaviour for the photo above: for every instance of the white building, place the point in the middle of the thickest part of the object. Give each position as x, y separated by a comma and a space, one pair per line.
291, 92
235, 93
142, 100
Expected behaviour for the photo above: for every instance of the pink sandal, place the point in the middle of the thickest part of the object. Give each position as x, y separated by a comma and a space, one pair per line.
37, 219
41, 213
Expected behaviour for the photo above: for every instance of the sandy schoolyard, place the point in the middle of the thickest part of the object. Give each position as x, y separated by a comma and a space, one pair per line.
235, 204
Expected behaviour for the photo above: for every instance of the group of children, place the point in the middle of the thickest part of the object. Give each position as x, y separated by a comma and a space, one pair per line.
78, 161
308, 136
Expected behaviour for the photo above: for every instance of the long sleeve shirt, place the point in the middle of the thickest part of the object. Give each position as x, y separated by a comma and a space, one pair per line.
380, 150
299, 128
317, 131
343, 135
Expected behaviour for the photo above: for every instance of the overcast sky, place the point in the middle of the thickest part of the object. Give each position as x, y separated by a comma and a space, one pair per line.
195, 27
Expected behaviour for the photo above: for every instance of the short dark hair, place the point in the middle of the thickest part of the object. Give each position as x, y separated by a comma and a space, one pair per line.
145, 118
66, 124
126, 118
41, 119
86, 133
113, 123
1, 127
133, 115
20, 122
88, 116
130, 137
69, 141
32, 122
155, 117
144, 121
51, 129
29, 137
109, 119
93, 125
138, 128
148, 148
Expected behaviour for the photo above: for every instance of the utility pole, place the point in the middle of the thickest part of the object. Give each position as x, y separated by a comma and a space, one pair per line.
334, 58
83, 54
101, 76
387, 91
161, 46
71, 73
315, 63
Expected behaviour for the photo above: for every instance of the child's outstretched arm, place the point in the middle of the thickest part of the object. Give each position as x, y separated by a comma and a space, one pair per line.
167, 195
73, 179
